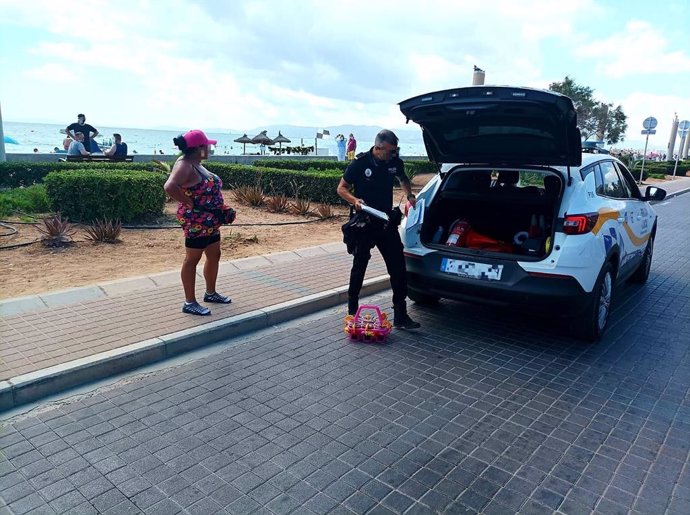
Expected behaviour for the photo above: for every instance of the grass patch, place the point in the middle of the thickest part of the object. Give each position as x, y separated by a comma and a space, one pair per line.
30, 200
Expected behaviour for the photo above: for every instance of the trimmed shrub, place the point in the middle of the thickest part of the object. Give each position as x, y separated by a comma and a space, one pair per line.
88, 195
659, 168
15, 174
290, 164
315, 185
31, 200
413, 168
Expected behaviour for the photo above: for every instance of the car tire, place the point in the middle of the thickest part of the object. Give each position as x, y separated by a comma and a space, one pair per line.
423, 299
592, 325
641, 275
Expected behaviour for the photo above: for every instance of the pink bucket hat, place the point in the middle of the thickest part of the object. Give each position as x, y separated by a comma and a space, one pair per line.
197, 138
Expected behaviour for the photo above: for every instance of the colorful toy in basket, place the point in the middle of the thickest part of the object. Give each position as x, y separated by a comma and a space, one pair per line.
369, 325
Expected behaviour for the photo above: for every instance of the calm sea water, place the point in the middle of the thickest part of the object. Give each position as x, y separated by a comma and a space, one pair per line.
45, 137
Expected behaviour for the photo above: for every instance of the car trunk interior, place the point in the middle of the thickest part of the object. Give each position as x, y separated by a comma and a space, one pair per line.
509, 211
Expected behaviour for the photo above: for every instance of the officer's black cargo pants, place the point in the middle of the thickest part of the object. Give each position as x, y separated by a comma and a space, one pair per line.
391, 249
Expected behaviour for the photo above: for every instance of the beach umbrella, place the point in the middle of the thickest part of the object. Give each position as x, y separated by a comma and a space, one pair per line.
262, 138
280, 139
244, 139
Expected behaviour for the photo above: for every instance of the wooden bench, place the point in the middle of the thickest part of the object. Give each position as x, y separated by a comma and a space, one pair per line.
97, 159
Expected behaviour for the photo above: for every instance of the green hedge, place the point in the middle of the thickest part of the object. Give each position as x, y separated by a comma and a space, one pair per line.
85, 195
660, 167
412, 168
315, 185
15, 174
304, 165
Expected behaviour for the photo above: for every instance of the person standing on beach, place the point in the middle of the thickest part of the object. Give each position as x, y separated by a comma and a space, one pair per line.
340, 143
84, 128
351, 147
201, 213
370, 176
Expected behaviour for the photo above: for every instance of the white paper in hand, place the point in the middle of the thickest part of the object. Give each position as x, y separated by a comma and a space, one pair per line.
416, 214
375, 212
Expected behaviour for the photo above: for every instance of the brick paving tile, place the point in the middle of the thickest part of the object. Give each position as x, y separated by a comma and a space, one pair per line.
483, 411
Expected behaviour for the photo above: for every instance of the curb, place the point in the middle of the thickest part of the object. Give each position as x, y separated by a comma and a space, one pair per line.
42, 383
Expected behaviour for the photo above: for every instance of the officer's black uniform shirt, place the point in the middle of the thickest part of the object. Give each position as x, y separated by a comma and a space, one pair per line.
373, 179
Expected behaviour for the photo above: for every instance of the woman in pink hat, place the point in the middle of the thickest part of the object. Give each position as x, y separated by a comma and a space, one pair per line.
201, 213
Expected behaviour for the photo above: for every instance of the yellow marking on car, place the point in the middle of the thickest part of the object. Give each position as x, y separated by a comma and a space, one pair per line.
604, 216
637, 241
611, 214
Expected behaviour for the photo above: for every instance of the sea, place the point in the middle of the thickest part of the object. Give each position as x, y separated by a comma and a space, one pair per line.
45, 137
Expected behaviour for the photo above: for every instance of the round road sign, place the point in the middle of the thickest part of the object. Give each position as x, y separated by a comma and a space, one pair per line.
684, 125
649, 123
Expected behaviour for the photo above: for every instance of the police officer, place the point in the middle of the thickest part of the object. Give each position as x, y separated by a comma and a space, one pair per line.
371, 174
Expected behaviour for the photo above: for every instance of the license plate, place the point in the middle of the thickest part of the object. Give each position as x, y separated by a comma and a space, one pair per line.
472, 270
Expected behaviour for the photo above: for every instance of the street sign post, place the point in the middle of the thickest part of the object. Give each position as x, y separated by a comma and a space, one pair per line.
649, 125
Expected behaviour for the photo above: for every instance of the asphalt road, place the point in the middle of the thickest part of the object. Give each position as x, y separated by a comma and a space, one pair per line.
483, 411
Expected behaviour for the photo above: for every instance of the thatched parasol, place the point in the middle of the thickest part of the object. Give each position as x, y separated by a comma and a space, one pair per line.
280, 139
244, 139
262, 138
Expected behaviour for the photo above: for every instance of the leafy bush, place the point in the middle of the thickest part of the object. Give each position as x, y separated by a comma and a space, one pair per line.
413, 168
56, 231
92, 194
250, 195
324, 211
659, 168
315, 185
33, 199
294, 164
277, 203
14, 174
105, 231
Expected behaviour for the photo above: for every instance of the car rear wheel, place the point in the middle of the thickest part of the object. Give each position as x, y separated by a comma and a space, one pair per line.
422, 298
593, 324
641, 275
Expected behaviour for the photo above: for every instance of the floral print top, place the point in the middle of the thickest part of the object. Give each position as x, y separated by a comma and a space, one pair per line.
206, 194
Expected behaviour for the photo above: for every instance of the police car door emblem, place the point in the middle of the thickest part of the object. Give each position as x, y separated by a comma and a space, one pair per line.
367, 172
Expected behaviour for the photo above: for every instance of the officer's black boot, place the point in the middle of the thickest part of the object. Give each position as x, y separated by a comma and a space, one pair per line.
352, 306
401, 319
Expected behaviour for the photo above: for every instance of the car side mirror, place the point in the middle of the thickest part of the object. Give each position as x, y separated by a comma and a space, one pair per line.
654, 193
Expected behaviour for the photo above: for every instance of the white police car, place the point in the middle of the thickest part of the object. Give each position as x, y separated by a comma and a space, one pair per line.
522, 217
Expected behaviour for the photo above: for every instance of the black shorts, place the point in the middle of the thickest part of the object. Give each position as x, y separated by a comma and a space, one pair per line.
201, 242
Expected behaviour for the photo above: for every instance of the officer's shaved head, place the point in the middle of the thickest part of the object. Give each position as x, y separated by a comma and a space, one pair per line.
386, 136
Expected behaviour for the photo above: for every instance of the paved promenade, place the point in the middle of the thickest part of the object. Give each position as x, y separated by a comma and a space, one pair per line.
484, 411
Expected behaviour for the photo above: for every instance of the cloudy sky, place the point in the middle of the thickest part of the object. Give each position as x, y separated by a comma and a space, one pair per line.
242, 64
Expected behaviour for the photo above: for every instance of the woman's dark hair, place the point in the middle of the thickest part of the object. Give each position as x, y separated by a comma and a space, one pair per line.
181, 143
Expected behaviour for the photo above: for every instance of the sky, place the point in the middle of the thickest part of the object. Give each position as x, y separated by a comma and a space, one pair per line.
247, 63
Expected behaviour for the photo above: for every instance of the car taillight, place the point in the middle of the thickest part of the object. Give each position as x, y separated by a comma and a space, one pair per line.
580, 224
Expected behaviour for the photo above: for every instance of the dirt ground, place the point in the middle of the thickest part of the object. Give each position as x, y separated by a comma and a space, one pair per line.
31, 269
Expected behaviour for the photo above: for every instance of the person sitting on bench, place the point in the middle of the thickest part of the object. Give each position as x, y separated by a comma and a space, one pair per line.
76, 148
119, 149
